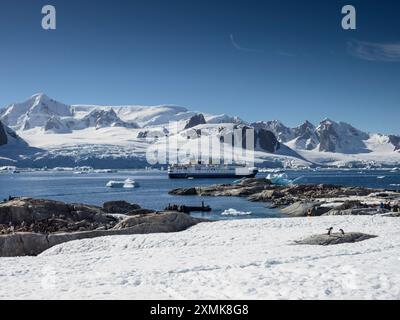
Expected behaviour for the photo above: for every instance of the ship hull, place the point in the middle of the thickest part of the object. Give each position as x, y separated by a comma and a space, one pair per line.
210, 176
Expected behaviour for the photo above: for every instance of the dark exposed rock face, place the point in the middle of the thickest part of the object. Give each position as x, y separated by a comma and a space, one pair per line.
395, 140
281, 132
305, 128
335, 238
106, 118
31, 244
166, 222
301, 209
305, 136
30, 226
55, 125
266, 140
244, 189
119, 207
184, 192
341, 137
195, 121
153, 134
328, 137
9, 136
142, 134
140, 212
3, 135
47, 216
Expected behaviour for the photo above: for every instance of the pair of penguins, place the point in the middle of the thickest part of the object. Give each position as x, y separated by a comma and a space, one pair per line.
330, 231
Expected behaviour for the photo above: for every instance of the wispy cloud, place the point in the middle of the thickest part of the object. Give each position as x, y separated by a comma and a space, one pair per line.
387, 52
286, 54
239, 47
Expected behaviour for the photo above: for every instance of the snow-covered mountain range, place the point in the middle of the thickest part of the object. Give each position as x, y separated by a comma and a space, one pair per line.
57, 134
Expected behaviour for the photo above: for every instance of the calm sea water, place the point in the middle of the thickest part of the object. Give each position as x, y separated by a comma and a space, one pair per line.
154, 186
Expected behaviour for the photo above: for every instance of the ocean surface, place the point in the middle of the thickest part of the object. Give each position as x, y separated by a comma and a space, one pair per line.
153, 188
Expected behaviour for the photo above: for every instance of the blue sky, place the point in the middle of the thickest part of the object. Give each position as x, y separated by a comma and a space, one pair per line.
260, 60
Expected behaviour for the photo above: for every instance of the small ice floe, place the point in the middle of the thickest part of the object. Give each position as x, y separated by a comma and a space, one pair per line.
395, 170
395, 185
83, 170
105, 171
8, 169
127, 184
280, 179
239, 181
234, 212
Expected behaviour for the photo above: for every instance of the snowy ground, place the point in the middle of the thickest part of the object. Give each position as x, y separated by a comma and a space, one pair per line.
226, 260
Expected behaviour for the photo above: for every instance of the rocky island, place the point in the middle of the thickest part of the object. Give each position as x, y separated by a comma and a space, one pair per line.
306, 200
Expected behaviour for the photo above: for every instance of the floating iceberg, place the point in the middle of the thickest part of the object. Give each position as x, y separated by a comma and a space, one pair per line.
8, 169
234, 212
282, 179
127, 184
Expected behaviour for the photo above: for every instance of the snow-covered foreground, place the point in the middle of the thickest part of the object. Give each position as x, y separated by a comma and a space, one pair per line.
248, 259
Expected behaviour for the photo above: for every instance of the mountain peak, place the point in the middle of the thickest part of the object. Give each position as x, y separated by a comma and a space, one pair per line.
40, 97
328, 121
308, 123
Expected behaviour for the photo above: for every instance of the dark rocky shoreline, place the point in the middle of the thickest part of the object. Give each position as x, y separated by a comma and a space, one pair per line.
30, 226
303, 200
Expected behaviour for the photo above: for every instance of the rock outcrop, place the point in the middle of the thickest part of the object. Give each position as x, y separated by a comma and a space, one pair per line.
334, 239
266, 140
340, 137
356, 212
245, 188
58, 216
30, 226
31, 244
55, 125
395, 140
9, 137
119, 207
302, 208
195, 121
3, 135
106, 118
306, 137
168, 221
281, 132
49, 216
297, 200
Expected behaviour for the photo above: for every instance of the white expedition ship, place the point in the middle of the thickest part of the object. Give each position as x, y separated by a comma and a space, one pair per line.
210, 171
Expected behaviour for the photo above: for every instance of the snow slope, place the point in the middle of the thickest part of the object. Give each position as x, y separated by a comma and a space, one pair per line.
244, 259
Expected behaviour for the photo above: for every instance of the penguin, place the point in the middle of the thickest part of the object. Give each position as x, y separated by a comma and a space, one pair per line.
342, 232
329, 231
